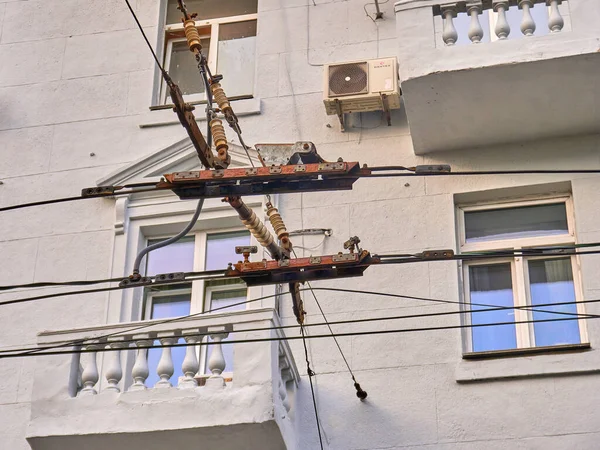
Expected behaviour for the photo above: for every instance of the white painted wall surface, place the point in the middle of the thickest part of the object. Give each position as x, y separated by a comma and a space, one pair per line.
76, 79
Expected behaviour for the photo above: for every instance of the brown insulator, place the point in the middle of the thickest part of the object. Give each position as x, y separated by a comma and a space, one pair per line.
221, 98
279, 226
255, 226
192, 36
219, 138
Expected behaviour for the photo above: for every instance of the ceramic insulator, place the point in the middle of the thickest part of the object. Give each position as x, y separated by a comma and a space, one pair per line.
192, 36
220, 97
219, 138
279, 226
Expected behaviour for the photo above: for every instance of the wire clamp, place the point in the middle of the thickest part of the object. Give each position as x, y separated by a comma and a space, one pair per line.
427, 169
168, 277
99, 190
314, 260
437, 254
133, 281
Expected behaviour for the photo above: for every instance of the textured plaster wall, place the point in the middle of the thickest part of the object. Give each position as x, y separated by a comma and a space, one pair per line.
76, 79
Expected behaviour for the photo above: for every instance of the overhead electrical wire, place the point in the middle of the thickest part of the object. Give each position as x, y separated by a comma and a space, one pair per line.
146, 325
529, 308
191, 276
372, 175
396, 258
292, 338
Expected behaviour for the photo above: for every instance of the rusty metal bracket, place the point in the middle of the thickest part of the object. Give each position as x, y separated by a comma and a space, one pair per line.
386, 109
264, 180
437, 254
99, 190
303, 269
340, 113
297, 303
331, 166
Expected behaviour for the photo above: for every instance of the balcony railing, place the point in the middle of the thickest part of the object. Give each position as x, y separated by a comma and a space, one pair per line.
462, 19
110, 377
480, 73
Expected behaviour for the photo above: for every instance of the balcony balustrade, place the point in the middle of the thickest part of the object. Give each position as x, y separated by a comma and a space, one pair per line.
102, 399
479, 73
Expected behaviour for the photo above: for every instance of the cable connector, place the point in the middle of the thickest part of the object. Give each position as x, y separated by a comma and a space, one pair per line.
430, 169
99, 190
134, 280
168, 277
436, 254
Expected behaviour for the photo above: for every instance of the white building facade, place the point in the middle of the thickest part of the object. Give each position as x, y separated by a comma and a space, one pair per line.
486, 86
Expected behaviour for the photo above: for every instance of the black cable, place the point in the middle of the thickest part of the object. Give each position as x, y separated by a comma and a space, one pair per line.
140, 327
360, 393
472, 257
292, 338
469, 172
528, 308
169, 241
72, 199
145, 38
311, 374
209, 274
532, 251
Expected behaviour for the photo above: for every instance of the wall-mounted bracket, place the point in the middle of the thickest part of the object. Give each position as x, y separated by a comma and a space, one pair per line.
386, 109
340, 114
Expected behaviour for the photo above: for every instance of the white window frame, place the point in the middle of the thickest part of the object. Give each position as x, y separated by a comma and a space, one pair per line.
213, 35
519, 269
200, 288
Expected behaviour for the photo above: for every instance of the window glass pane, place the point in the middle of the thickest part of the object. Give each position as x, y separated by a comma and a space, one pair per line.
224, 298
514, 16
510, 223
177, 257
220, 249
211, 9
551, 281
183, 67
219, 299
165, 307
171, 306
235, 57
492, 285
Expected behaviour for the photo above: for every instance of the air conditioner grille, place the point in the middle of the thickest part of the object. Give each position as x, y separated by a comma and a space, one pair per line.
348, 79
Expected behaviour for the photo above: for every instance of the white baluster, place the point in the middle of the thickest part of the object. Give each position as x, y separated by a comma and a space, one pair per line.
555, 21
449, 34
216, 362
114, 371
475, 30
90, 376
527, 24
165, 368
190, 363
502, 29
140, 370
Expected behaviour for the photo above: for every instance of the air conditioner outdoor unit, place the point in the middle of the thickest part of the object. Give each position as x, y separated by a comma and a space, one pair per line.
360, 86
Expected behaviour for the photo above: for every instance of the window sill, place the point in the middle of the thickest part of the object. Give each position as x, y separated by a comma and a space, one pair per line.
163, 117
578, 359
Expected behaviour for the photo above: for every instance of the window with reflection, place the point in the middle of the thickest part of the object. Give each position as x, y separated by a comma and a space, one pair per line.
201, 251
227, 29
520, 302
